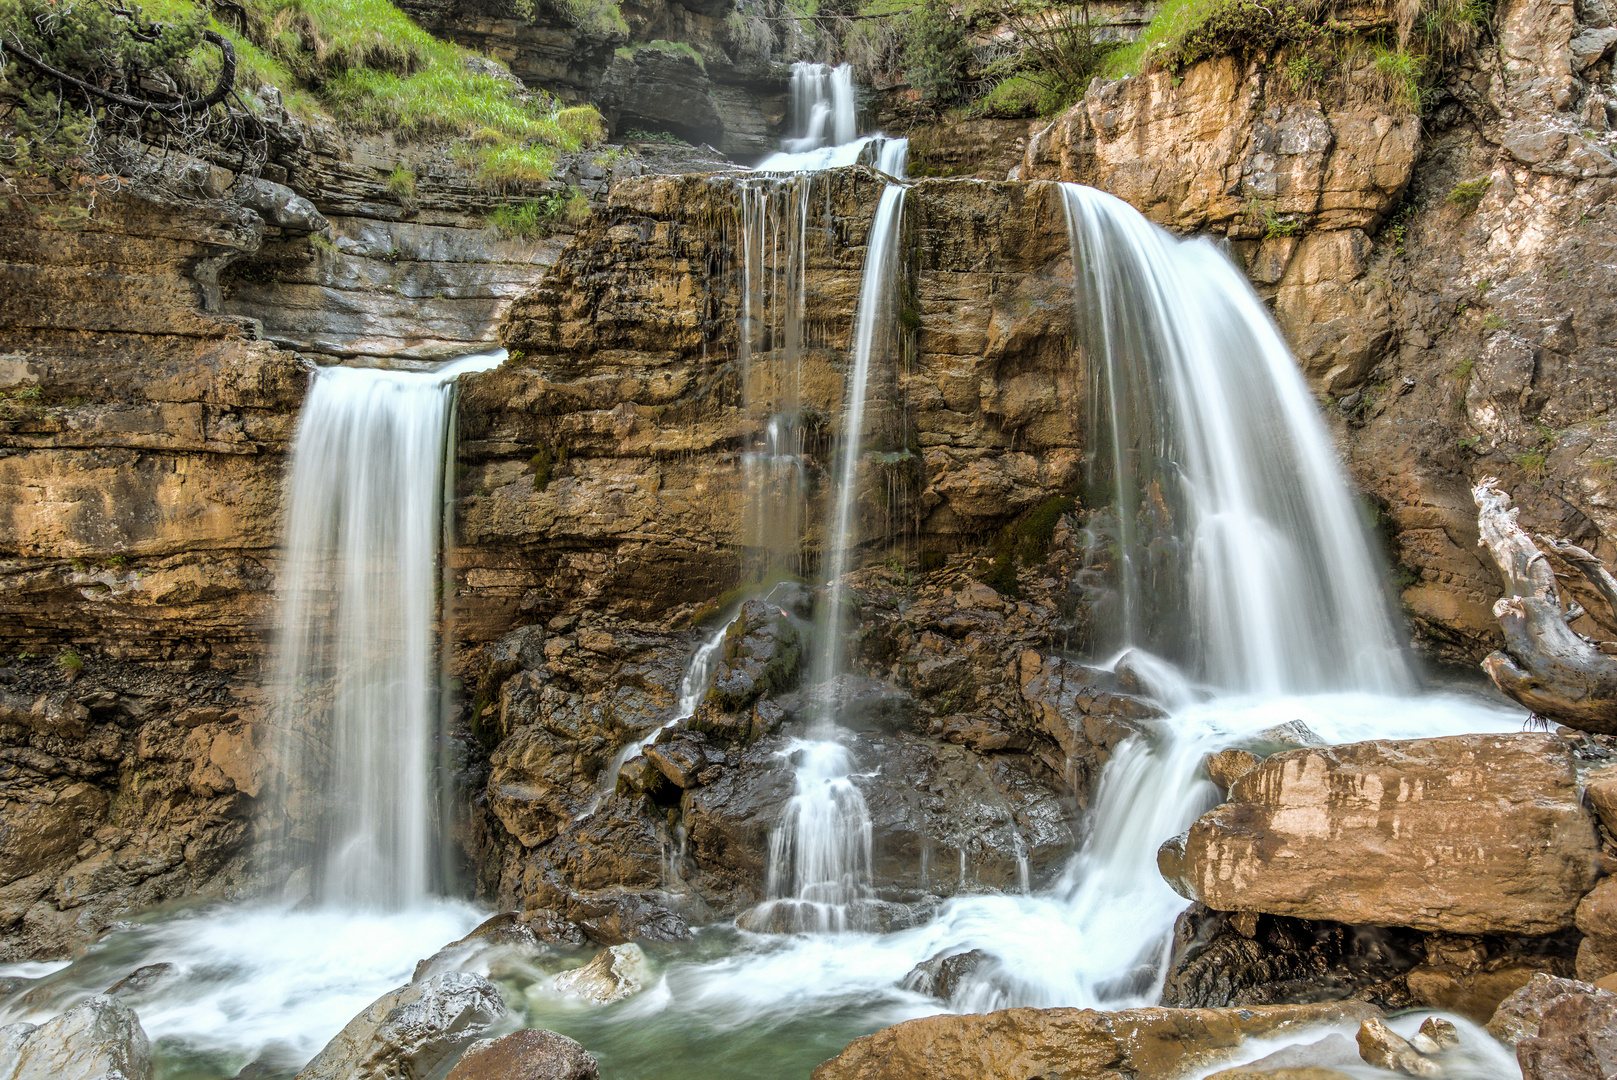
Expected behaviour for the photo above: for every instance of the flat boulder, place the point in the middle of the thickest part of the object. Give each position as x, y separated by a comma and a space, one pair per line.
98, 1039
1013, 1044
1473, 834
410, 1032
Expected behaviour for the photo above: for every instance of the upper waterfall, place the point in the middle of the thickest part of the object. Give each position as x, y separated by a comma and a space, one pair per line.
1238, 551
357, 679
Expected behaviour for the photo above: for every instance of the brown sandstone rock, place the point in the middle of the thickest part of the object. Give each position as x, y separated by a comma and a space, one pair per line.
1139, 1044
1394, 834
528, 1054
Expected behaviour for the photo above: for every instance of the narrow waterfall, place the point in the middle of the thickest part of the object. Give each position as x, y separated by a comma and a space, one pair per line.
357, 675
1227, 501
820, 851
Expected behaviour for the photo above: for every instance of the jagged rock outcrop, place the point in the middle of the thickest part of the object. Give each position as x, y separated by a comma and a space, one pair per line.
411, 1031
1147, 1044
1387, 834
1562, 1029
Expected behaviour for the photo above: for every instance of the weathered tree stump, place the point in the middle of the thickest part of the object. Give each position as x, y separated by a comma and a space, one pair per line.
1545, 665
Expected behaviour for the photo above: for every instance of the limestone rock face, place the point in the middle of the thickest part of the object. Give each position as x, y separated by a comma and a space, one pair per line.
1471, 834
628, 360
1143, 1044
98, 1039
410, 1031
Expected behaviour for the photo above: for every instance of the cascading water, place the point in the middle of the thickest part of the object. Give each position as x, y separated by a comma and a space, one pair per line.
357, 675
822, 107
819, 853
1226, 494
1234, 505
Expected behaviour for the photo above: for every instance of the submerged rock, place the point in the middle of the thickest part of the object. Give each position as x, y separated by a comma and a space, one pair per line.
943, 974
616, 973
529, 1054
1393, 834
1143, 1044
98, 1039
410, 1031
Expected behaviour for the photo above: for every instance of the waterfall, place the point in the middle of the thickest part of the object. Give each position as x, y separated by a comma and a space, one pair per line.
1227, 500
819, 852
357, 676
822, 107
875, 309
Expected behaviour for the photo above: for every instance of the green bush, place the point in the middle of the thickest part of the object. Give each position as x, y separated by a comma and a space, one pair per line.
1467, 194
935, 50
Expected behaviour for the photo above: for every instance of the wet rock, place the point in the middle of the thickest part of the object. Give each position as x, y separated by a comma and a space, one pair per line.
1435, 1036
1337, 834
762, 648
616, 973
1380, 1046
98, 1039
529, 1054
1597, 919
680, 760
1146, 1044
1228, 766
855, 703
939, 976
281, 206
1275, 960
141, 980
1518, 1016
1562, 1029
411, 1031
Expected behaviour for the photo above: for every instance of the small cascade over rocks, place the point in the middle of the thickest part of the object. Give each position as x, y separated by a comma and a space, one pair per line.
823, 110
820, 852
357, 676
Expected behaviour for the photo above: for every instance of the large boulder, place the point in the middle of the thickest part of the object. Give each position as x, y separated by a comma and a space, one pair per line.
408, 1033
1562, 1029
526, 1055
1475, 834
98, 1039
1143, 1044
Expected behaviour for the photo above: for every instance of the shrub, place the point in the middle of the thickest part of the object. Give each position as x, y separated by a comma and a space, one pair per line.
1399, 73
1467, 194
935, 50
70, 660
1060, 53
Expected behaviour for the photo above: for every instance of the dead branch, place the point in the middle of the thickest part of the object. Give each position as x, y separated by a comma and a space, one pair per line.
1545, 665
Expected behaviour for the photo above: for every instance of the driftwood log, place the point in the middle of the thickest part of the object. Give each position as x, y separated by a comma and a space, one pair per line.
1547, 666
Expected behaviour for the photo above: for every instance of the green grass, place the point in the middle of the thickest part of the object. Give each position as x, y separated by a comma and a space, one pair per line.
372, 69
1173, 20
1018, 95
667, 48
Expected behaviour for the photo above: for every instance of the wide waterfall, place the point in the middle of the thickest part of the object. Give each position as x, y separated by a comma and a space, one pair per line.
1227, 499
357, 666
823, 110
